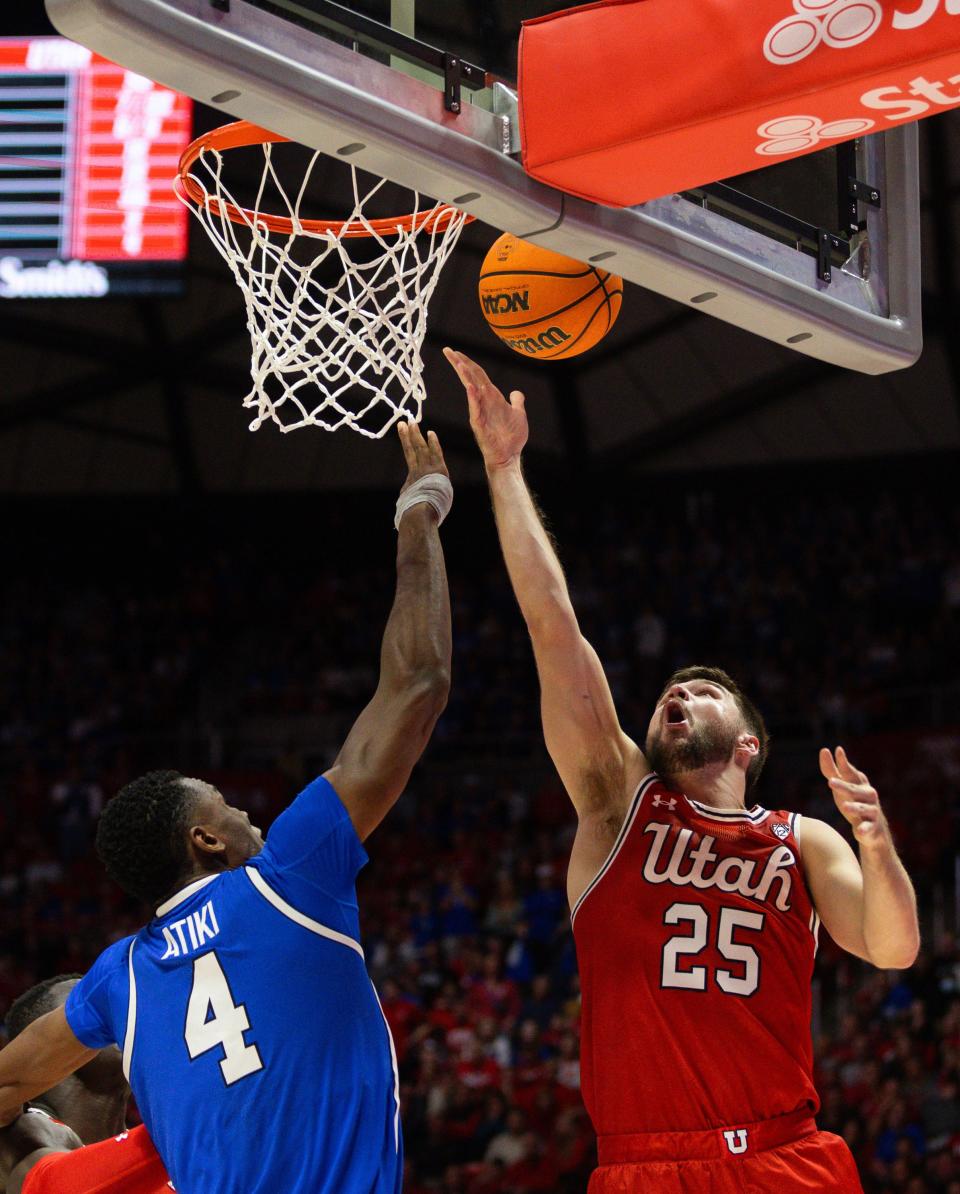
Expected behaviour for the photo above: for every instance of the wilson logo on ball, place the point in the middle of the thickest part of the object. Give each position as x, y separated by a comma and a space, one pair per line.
543, 304
551, 338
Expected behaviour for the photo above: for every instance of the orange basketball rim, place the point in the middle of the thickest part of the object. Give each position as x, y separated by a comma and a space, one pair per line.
242, 134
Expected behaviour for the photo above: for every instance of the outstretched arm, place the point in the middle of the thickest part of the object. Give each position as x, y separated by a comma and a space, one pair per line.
42, 1055
390, 735
598, 763
869, 908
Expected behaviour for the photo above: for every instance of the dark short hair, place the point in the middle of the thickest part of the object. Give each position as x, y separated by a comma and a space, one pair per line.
33, 1004
752, 717
140, 838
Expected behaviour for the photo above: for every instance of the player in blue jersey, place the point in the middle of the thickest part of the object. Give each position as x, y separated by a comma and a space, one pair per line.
251, 1034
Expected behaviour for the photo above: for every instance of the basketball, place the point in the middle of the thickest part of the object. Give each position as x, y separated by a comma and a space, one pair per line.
544, 305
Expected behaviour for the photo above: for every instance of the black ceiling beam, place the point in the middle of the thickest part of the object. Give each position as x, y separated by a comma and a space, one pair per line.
106, 347
54, 401
130, 366
695, 424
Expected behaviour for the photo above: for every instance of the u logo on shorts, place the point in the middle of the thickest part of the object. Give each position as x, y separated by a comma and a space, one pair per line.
736, 1139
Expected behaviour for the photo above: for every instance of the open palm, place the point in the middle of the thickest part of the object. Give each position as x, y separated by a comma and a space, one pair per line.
499, 426
855, 796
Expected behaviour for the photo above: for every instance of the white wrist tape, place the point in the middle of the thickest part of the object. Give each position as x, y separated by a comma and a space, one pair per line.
434, 488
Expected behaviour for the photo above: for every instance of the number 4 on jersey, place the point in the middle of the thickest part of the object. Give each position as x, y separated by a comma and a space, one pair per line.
214, 1019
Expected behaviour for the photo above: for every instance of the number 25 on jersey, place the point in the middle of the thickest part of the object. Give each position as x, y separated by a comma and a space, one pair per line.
743, 979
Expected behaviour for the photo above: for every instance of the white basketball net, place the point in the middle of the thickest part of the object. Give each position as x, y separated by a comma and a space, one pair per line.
336, 342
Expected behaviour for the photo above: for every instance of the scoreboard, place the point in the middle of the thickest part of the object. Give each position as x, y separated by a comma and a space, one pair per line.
88, 152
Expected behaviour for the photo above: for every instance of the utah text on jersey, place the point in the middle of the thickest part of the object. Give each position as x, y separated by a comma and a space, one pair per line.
700, 866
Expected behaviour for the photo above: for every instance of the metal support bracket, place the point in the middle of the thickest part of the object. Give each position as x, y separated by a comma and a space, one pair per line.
452, 79
828, 247
506, 105
863, 192
824, 245
848, 153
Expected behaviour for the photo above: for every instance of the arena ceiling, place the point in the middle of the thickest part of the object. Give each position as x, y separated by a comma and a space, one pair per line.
144, 396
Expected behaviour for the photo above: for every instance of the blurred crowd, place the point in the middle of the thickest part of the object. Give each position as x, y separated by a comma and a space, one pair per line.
242, 650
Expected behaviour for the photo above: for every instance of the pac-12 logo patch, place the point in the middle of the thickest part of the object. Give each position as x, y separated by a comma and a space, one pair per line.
782, 830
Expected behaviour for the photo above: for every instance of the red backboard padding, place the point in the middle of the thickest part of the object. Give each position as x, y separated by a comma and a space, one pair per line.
627, 100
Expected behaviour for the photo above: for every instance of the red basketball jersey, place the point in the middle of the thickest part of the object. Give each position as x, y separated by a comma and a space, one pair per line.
127, 1164
696, 943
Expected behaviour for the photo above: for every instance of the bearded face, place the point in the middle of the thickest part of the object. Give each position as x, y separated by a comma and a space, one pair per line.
672, 755
698, 724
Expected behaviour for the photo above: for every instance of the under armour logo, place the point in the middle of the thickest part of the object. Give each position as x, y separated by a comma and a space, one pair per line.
838, 24
736, 1139
669, 804
791, 134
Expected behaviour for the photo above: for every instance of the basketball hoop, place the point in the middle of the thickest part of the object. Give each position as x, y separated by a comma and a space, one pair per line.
352, 338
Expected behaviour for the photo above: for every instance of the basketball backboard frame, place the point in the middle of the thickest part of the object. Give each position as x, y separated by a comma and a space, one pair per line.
251, 60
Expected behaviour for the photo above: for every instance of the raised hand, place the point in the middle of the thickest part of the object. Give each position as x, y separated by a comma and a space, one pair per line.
423, 456
499, 426
855, 797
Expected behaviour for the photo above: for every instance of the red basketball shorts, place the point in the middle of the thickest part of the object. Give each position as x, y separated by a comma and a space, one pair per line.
811, 1163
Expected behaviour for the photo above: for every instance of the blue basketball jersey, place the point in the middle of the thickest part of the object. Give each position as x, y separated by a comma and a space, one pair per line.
251, 1033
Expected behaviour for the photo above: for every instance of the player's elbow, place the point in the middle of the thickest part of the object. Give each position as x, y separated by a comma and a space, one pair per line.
426, 690
899, 955
893, 961
436, 689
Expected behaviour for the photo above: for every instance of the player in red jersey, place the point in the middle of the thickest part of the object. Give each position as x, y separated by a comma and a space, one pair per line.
695, 915
73, 1139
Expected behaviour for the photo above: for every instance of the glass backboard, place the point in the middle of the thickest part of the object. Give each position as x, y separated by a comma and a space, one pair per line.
421, 92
